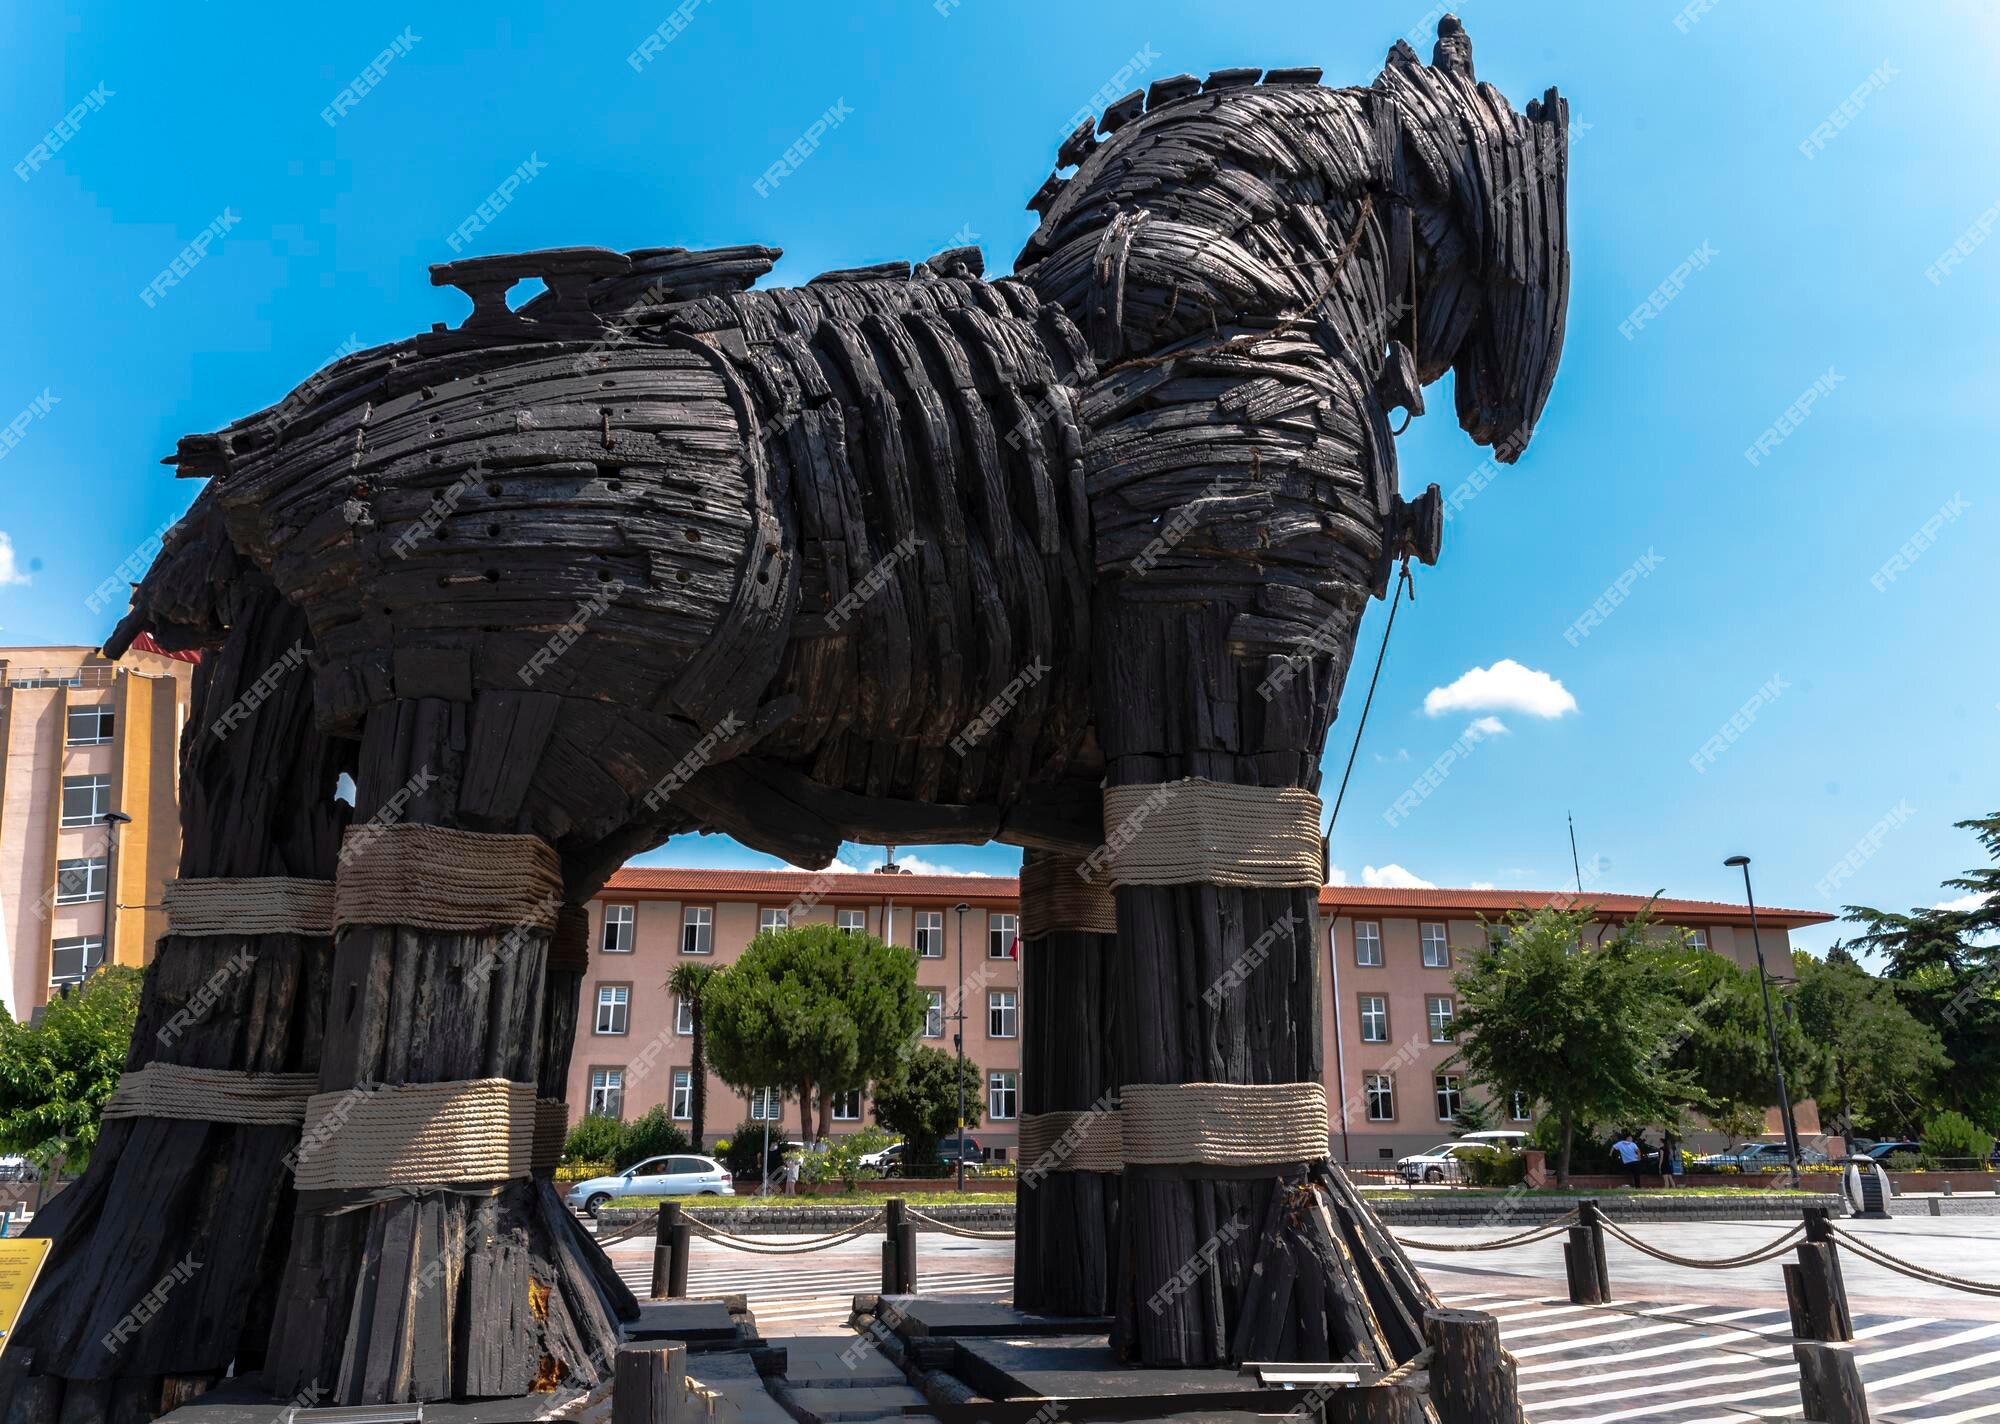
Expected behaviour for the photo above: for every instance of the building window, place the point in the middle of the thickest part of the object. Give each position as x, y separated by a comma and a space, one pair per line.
930, 934
607, 1092
1002, 931
778, 918
1381, 1090
614, 1002
847, 1106
698, 930
1522, 1110
85, 800
934, 1013
1437, 953
1000, 1013
765, 1105
1367, 943
1374, 1018
1448, 1099
79, 881
1438, 1008
618, 921
72, 960
682, 1106
90, 726
683, 1016
1003, 1096
1698, 937
851, 921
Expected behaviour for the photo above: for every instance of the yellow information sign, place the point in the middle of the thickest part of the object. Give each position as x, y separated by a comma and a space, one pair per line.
21, 1261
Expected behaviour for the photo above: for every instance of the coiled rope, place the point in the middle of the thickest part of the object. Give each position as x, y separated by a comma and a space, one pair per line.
951, 1230
1724, 1263
1533, 1233
1869, 1252
789, 1248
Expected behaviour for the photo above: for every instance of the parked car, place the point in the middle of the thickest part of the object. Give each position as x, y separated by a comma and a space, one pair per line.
880, 1160
682, 1175
1759, 1157
16, 1169
1436, 1164
948, 1154
1881, 1151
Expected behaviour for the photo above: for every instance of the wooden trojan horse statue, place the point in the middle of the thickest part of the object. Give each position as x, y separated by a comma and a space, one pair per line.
1072, 559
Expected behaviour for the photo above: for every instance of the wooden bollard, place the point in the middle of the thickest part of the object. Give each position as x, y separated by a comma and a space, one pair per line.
649, 1384
1472, 1380
1814, 1288
1583, 1258
671, 1243
899, 1252
1830, 1385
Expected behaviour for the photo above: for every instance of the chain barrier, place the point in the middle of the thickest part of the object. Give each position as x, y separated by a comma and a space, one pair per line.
1532, 1234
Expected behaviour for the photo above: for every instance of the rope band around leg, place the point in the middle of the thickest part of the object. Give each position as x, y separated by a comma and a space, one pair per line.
417, 1136
1070, 1142
271, 904
434, 878
1200, 832
1054, 896
170, 1090
569, 947
1226, 1125
551, 1132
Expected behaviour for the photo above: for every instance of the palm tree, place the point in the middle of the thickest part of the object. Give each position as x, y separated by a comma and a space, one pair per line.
688, 982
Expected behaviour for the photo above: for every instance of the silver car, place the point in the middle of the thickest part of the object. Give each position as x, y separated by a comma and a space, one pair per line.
682, 1175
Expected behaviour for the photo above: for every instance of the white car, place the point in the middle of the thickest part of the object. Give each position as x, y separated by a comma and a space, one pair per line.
677, 1176
880, 1160
1440, 1163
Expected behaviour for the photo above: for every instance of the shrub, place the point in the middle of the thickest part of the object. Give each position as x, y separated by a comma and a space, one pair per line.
1910, 1162
653, 1134
1493, 1167
595, 1139
583, 1171
742, 1152
1951, 1134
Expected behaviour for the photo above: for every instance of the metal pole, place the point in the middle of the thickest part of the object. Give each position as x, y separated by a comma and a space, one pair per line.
959, 1038
1770, 1024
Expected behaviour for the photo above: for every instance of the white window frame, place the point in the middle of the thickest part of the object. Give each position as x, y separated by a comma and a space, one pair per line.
683, 1017
1698, 937
766, 1105
1449, 1091
1379, 1003
934, 1013
1379, 1088
92, 948
1437, 948
851, 921
681, 1108
773, 917
1003, 932
607, 1092
1003, 1096
620, 929
698, 929
99, 789
1002, 1014
614, 1010
95, 880
928, 933
1519, 1109
1368, 946
847, 1106
1439, 1022
101, 714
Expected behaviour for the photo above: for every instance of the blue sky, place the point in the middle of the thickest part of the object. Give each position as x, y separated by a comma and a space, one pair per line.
1825, 593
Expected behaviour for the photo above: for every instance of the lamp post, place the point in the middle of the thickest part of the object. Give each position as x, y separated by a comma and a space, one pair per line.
115, 821
1742, 862
958, 1042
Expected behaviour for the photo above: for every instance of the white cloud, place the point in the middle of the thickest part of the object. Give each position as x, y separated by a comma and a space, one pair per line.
1963, 902
1505, 687
10, 572
1393, 876
871, 859
1335, 875
1482, 885
1486, 727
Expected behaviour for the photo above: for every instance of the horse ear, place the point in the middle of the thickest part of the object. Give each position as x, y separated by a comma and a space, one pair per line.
1453, 51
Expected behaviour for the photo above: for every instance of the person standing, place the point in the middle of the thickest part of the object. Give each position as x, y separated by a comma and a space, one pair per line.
792, 1164
1670, 1157
1628, 1153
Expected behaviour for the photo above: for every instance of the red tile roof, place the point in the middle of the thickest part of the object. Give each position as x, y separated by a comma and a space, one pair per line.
144, 643
674, 881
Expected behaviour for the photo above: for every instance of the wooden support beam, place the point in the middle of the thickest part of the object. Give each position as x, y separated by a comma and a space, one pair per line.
1830, 1382
1472, 1378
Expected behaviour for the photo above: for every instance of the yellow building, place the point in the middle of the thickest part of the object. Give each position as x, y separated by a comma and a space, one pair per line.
89, 811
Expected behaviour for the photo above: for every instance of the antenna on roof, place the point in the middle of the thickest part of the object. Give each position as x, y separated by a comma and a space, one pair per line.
1575, 864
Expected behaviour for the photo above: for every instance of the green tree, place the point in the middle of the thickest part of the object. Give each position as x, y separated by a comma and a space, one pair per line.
1473, 1115
1882, 1061
56, 1075
595, 1138
921, 1103
1722, 1044
1945, 964
652, 1134
1586, 1031
816, 1008
689, 982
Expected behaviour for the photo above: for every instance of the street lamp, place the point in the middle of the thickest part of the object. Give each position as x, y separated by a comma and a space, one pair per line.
116, 821
1742, 862
958, 1042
